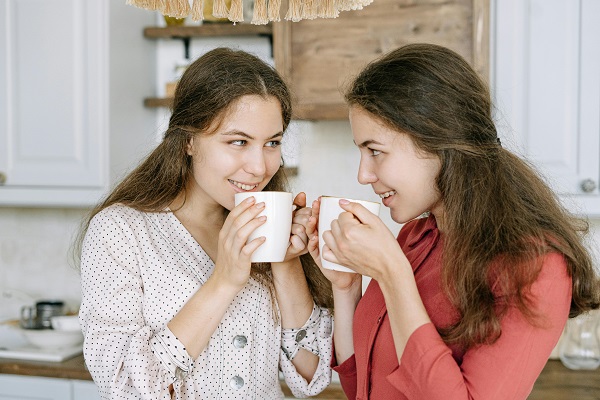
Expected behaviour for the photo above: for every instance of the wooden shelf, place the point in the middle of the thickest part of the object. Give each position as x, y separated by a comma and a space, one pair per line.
157, 102
207, 29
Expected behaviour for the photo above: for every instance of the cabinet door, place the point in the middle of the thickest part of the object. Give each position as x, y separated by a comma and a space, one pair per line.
85, 390
13, 387
546, 81
53, 100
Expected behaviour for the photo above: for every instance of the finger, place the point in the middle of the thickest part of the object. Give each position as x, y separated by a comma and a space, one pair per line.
251, 247
313, 249
360, 212
316, 207
329, 255
237, 211
329, 241
311, 227
301, 219
297, 244
239, 238
345, 220
303, 212
300, 231
300, 200
247, 215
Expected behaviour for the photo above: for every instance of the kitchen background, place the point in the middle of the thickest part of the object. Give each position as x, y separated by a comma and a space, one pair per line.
35, 240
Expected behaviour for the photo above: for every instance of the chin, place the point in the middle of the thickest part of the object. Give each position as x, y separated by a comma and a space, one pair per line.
402, 218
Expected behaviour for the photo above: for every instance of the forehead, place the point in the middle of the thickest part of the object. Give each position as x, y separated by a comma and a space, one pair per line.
366, 128
251, 114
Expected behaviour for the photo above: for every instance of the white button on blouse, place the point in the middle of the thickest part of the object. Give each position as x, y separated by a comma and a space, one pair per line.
137, 271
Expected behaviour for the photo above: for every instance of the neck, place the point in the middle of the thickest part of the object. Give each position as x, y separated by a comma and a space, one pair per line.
198, 214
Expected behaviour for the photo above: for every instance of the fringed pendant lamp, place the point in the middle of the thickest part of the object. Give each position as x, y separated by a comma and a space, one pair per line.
264, 10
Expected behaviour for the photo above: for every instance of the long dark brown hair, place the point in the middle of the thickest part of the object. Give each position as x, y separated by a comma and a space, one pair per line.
203, 98
499, 215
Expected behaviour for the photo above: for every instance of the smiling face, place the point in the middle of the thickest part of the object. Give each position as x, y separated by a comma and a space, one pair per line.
402, 175
242, 154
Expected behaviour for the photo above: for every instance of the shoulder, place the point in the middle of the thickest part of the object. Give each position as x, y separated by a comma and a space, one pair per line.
554, 267
117, 215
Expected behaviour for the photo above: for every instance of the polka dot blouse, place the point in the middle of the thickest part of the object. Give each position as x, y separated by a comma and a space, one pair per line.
138, 270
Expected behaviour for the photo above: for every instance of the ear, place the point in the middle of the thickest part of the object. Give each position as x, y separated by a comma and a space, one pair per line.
189, 148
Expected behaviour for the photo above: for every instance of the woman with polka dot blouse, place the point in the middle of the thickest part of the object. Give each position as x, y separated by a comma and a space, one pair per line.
172, 308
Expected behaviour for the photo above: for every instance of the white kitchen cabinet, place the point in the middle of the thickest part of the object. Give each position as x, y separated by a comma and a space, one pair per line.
546, 84
68, 69
53, 101
14, 387
84, 390
17, 387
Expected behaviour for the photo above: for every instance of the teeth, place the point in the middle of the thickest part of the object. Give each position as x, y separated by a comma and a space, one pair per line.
387, 194
243, 186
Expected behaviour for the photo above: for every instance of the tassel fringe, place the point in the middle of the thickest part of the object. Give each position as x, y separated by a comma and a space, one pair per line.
273, 10
197, 12
176, 8
310, 9
294, 12
327, 9
220, 9
236, 11
264, 10
259, 15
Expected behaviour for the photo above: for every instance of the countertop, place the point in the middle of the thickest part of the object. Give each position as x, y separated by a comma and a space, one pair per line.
555, 382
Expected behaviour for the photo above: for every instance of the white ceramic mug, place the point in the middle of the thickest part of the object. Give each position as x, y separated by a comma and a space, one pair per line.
330, 210
276, 229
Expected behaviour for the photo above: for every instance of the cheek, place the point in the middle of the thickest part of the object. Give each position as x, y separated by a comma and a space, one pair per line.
273, 162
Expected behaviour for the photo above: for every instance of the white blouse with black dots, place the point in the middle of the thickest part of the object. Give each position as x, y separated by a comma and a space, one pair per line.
137, 271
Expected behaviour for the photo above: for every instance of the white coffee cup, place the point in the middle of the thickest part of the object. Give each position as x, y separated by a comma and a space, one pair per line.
276, 229
330, 210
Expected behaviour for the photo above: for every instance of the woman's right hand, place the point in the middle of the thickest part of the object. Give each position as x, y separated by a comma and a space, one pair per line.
341, 281
232, 266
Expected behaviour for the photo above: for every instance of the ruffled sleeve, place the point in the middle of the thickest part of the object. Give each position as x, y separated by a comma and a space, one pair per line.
314, 336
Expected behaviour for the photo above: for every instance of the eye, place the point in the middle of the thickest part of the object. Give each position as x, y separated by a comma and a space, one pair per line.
238, 142
273, 143
374, 152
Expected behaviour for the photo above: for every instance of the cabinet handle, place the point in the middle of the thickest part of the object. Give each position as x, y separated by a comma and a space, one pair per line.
588, 185
2, 178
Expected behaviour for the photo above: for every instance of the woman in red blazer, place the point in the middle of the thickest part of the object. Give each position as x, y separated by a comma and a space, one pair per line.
471, 297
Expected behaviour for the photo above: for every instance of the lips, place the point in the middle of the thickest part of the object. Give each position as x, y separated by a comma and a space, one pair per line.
247, 187
387, 194
387, 197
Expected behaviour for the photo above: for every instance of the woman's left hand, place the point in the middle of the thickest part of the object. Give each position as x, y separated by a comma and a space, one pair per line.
298, 237
361, 241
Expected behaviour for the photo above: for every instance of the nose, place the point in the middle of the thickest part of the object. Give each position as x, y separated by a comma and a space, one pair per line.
255, 163
366, 175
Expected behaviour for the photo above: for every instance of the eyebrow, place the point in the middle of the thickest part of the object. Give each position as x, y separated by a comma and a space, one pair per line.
367, 143
243, 134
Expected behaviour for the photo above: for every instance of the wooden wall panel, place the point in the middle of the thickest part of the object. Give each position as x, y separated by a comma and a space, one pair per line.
320, 57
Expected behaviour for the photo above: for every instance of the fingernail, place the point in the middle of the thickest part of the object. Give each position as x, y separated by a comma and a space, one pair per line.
249, 200
260, 205
262, 218
344, 201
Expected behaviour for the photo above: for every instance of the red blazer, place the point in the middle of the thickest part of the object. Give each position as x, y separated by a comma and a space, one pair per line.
429, 368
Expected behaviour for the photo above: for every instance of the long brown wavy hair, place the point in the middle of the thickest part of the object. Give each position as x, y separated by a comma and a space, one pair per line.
499, 215
203, 98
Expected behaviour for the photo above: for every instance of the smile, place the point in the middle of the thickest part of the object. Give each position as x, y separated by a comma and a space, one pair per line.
387, 194
243, 186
